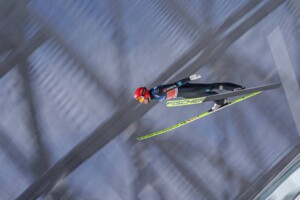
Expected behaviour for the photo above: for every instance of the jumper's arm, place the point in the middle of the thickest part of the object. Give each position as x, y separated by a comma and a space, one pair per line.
182, 82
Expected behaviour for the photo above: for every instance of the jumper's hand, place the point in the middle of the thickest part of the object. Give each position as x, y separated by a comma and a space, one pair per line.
195, 77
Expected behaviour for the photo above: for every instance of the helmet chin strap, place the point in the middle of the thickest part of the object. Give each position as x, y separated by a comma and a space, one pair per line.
144, 90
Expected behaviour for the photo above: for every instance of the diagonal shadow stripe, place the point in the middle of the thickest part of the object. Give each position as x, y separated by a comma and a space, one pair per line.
22, 53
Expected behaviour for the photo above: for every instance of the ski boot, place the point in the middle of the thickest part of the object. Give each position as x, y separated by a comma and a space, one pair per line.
218, 106
239, 88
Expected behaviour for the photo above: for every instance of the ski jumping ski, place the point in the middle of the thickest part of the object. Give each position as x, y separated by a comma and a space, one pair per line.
195, 117
193, 101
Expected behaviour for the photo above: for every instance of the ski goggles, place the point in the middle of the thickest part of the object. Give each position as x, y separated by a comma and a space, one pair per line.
140, 99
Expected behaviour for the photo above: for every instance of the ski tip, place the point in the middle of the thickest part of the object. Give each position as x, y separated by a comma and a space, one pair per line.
141, 138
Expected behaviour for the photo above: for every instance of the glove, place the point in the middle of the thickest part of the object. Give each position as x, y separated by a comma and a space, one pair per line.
195, 77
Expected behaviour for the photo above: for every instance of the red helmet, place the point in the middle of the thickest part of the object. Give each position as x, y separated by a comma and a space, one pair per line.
141, 93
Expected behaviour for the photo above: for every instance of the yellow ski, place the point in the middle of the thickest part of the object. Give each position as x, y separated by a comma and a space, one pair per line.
195, 118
